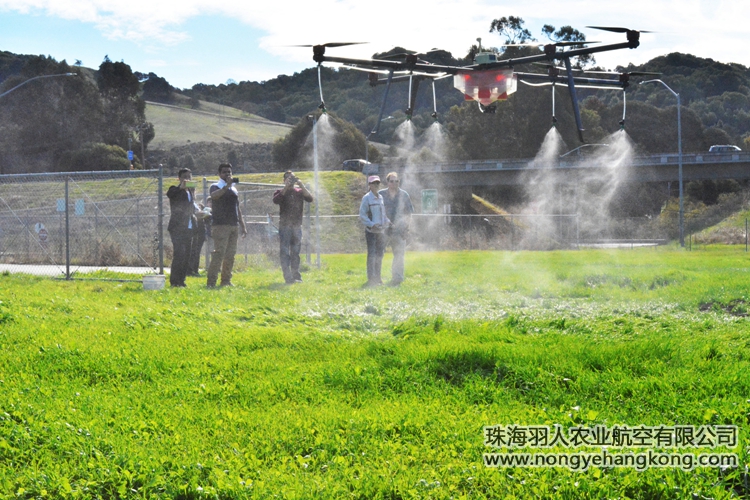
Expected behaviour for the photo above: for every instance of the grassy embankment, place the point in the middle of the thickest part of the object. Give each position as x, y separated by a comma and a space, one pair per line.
178, 125
328, 390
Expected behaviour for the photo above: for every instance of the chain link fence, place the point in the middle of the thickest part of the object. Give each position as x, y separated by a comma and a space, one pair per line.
73, 224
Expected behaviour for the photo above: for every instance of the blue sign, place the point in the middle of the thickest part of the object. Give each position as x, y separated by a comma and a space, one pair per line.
130, 155
80, 207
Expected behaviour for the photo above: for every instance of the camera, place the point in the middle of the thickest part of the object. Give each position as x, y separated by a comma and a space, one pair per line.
235, 180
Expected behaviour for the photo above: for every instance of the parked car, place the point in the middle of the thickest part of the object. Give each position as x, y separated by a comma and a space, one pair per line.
355, 165
724, 148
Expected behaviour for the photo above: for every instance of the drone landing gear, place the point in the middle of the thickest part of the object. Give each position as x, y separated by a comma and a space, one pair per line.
322, 105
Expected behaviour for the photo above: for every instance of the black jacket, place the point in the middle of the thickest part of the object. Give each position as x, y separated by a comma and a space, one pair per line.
183, 210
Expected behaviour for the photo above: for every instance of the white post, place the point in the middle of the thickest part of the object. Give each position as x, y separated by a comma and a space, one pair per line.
317, 199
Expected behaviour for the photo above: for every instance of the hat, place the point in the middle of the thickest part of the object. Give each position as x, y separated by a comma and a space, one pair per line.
373, 178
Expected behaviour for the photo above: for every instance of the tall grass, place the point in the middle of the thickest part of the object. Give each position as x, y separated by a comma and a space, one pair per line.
330, 390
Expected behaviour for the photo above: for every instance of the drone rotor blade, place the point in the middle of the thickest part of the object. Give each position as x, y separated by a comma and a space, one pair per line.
616, 29
330, 44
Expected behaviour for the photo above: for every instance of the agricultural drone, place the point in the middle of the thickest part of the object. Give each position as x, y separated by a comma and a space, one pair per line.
488, 79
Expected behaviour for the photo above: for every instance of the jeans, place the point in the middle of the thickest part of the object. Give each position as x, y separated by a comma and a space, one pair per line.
225, 246
290, 243
375, 250
398, 245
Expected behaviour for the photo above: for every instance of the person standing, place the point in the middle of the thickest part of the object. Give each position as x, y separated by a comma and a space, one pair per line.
373, 216
226, 217
291, 201
398, 208
199, 238
181, 226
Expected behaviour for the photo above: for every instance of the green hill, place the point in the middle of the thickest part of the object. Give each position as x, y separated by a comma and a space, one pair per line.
177, 125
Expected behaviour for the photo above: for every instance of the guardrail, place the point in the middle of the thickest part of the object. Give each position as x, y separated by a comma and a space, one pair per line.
571, 162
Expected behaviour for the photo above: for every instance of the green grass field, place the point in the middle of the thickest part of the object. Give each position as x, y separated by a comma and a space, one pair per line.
330, 390
177, 126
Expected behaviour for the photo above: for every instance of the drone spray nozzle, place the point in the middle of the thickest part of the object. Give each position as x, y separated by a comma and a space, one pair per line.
434, 115
622, 124
409, 112
554, 121
322, 107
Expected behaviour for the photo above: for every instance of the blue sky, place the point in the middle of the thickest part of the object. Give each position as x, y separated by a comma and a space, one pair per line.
195, 41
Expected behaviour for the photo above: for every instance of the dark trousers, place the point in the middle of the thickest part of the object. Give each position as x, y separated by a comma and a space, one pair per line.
375, 250
199, 237
290, 243
181, 243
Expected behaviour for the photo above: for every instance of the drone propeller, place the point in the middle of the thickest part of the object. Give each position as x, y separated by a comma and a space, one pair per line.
632, 35
320, 49
553, 44
615, 29
330, 44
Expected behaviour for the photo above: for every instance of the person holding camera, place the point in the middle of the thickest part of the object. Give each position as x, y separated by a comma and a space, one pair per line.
291, 201
182, 223
373, 216
226, 217
398, 208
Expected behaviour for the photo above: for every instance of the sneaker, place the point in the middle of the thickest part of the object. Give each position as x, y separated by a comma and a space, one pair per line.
226, 284
210, 286
297, 281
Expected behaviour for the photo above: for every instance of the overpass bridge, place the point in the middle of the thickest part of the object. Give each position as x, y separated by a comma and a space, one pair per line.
571, 170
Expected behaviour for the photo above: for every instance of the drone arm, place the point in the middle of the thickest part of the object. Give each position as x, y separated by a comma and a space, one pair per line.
382, 106
574, 98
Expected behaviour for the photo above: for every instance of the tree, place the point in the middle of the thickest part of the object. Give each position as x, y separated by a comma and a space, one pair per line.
95, 156
569, 34
512, 29
123, 109
157, 89
338, 140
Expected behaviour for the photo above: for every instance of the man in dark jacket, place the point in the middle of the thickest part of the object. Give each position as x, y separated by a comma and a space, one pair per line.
181, 225
291, 200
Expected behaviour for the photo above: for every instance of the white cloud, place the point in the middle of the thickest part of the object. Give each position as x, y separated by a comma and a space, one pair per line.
707, 28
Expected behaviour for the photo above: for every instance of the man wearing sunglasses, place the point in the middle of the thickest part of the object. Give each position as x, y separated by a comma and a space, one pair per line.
398, 208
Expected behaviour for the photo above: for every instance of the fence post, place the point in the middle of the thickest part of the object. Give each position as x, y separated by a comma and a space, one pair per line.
207, 251
67, 228
309, 233
137, 226
160, 231
471, 238
746, 234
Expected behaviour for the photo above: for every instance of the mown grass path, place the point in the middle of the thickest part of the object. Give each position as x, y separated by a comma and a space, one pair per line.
329, 390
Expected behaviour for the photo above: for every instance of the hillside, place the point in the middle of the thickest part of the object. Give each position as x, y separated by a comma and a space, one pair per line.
177, 125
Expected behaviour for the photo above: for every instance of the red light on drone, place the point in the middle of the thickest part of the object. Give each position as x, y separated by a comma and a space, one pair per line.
500, 78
